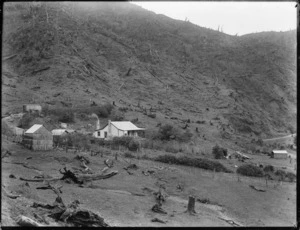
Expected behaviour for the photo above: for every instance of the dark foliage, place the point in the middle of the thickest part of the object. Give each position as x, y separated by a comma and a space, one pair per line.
250, 170
269, 168
219, 152
194, 162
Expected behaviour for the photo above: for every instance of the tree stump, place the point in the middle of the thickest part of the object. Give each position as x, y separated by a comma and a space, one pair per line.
191, 205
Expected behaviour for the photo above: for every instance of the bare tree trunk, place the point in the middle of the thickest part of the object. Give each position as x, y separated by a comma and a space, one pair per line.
191, 205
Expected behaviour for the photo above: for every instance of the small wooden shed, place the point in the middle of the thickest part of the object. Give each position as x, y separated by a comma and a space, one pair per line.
38, 138
279, 154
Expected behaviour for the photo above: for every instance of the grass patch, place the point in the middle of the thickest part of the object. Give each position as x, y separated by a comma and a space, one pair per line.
194, 162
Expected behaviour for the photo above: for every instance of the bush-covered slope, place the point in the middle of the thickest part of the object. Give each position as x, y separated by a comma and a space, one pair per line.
244, 87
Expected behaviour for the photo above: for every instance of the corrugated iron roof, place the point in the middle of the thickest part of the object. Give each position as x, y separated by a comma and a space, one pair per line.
279, 151
33, 128
58, 132
125, 125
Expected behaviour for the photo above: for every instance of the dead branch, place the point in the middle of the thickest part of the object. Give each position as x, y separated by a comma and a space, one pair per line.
109, 163
157, 208
158, 220
9, 57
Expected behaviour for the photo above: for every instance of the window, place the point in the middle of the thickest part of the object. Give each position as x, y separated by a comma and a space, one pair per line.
105, 134
99, 134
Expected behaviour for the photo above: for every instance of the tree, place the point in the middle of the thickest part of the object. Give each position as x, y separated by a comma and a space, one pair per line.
219, 152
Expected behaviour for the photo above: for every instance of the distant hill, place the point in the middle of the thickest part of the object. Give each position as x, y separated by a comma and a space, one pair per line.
240, 87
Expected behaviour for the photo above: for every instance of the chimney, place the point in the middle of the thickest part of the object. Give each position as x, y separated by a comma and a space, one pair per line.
98, 124
109, 128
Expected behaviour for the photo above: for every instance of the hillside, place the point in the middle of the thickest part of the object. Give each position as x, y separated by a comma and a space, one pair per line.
243, 87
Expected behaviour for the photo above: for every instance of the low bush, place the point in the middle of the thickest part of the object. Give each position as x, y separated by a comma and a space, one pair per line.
250, 170
133, 145
269, 168
219, 152
291, 177
280, 173
26, 120
128, 155
194, 162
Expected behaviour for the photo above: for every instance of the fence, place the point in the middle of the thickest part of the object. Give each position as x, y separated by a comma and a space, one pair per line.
13, 138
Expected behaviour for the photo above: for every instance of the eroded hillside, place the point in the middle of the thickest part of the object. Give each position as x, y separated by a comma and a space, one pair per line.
243, 87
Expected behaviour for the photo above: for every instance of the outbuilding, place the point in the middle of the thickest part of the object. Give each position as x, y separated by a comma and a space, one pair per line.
38, 138
279, 154
32, 108
118, 129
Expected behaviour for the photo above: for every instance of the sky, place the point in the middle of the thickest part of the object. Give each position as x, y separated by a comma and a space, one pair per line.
235, 18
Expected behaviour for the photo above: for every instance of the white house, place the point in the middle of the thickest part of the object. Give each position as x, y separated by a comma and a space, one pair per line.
117, 129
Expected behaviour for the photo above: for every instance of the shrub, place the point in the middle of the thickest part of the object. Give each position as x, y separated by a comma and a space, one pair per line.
250, 170
67, 117
26, 120
124, 141
167, 132
128, 155
117, 115
194, 162
280, 173
219, 152
291, 177
269, 168
133, 145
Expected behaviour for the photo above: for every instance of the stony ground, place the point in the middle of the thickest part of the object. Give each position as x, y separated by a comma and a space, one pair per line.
126, 200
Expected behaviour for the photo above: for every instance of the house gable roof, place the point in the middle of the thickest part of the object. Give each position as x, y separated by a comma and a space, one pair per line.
123, 125
280, 151
33, 128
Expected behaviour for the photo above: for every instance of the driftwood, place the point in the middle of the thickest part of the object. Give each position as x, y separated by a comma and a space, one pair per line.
27, 222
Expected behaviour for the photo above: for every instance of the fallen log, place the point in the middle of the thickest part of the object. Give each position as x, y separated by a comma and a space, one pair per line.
40, 70
27, 222
230, 222
257, 189
9, 57
158, 220
81, 178
39, 180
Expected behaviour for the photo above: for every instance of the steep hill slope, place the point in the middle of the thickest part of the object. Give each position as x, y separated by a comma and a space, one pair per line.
242, 87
